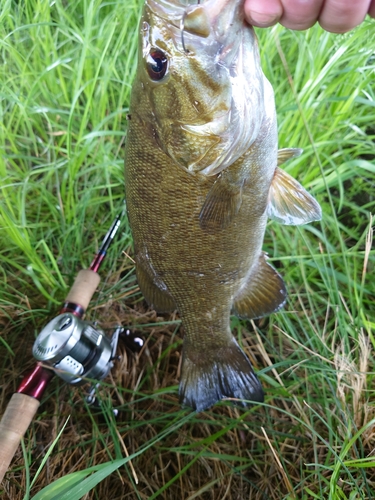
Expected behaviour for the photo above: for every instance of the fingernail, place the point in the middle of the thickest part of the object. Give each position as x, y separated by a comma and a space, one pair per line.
261, 20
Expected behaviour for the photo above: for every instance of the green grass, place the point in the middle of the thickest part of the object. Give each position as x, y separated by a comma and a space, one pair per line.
66, 75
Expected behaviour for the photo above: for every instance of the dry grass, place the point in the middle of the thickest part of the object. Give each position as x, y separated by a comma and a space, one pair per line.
223, 453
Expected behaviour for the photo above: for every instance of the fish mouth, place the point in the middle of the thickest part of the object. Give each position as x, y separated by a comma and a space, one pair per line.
213, 36
198, 17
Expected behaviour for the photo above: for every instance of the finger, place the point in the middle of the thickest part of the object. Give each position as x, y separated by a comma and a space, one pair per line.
371, 10
261, 13
300, 14
339, 16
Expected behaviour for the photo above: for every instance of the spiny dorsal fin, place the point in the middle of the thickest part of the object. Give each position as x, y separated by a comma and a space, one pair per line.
222, 203
263, 293
286, 154
289, 203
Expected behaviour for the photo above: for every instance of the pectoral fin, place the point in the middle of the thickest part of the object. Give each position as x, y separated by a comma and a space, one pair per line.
263, 293
289, 203
221, 205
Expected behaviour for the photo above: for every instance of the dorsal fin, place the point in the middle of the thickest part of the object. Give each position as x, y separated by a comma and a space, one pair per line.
158, 299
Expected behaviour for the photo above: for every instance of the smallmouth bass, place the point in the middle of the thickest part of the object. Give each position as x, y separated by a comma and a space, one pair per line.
201, 179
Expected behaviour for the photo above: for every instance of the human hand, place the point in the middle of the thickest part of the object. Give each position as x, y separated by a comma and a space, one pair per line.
337, 16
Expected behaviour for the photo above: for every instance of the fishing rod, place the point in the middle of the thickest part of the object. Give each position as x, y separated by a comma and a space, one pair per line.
69, 347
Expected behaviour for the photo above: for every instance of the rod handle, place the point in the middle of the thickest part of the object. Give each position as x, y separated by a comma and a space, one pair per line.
83, 288
13, 425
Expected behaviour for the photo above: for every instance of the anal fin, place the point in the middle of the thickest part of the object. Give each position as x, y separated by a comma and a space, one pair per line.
263, 293
222, 203
158, 299
289, 203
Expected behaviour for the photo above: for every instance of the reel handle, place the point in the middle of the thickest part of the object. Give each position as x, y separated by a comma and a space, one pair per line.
13, 425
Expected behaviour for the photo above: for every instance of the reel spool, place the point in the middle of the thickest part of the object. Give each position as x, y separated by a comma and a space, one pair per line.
74, 349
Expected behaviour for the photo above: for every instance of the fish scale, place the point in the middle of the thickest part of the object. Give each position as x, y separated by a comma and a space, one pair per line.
199, 169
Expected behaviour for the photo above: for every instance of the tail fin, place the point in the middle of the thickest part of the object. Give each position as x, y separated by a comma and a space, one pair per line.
228, 375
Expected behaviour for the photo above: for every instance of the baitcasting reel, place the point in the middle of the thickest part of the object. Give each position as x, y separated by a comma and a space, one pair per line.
69, 347
75, 350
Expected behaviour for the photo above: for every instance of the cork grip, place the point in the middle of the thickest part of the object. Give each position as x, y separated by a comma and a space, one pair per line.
83, 288
16, 419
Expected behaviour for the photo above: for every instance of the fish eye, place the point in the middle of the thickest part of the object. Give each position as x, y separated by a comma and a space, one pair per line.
157, 64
